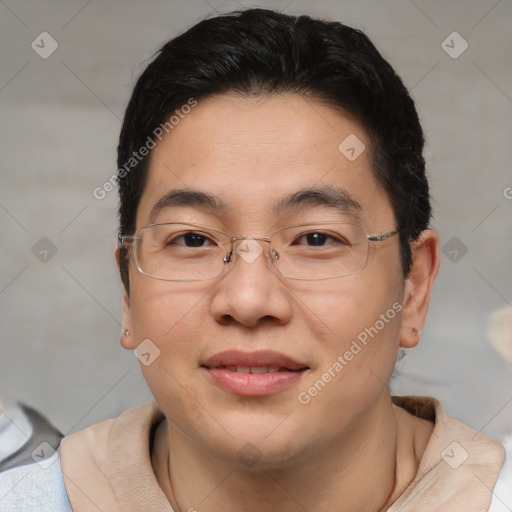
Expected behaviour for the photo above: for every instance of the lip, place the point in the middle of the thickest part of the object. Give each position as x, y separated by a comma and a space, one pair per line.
220, 369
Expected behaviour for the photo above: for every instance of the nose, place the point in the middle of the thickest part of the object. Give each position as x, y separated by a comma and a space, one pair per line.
251, 292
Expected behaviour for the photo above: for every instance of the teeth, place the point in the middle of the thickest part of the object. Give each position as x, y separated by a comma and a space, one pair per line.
255, 369
252, 369
258, 369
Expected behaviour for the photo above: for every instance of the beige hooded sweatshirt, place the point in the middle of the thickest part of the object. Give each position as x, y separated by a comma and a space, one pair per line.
107, 466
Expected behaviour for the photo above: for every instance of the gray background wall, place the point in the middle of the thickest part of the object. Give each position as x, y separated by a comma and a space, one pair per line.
60, 118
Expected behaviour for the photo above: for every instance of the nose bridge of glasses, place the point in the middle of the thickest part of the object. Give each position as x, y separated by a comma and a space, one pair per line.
248, 248
241, 238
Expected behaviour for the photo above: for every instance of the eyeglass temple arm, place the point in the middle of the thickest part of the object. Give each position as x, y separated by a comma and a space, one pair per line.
380, 238
126, 239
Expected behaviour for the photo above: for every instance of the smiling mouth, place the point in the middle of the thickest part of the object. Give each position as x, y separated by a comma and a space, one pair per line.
253, 374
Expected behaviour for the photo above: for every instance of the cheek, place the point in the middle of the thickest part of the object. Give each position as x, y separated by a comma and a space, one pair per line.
171, 315
338, 311
354, 371
173, 318
356, 325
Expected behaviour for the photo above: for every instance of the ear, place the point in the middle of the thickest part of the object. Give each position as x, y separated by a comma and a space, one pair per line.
418, 286
117, 256
127, 334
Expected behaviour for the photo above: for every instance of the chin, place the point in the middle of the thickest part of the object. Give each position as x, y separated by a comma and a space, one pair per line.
264, 454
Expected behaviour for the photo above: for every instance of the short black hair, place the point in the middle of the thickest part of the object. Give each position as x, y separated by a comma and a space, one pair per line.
262, 52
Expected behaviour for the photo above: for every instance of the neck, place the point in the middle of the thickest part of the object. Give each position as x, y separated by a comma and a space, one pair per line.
380, 453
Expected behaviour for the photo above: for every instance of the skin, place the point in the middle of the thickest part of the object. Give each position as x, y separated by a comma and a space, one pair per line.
321, 456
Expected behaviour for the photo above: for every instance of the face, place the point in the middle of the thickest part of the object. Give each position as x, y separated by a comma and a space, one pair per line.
330, 344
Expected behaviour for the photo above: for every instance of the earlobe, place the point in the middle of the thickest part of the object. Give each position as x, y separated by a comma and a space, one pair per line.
418, 287
127, 334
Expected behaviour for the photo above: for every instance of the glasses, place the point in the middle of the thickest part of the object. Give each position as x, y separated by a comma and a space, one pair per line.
192, 252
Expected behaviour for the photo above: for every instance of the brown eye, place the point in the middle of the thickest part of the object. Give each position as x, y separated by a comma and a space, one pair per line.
319, 239
316, 239
191, 239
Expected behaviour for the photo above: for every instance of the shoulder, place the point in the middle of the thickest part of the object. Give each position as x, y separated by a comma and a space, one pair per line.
458, 466
110, 462
502, 492
36, 486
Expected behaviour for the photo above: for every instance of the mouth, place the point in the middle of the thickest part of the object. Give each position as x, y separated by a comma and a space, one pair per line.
253, 373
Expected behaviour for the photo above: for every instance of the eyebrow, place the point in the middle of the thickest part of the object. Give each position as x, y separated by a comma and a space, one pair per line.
189, 198
327, 196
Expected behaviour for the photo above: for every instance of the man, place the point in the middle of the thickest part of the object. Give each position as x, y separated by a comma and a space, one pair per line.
276, 256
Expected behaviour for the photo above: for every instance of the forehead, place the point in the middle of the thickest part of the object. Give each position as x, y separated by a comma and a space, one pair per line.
254, 153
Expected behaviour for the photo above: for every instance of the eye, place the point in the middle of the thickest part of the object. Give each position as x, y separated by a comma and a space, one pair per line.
190, 239
319, 239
